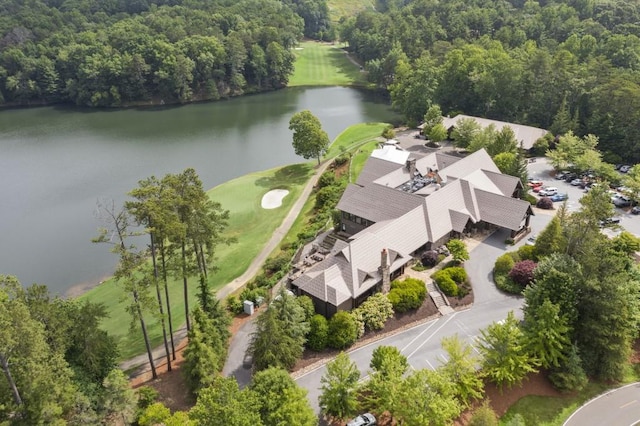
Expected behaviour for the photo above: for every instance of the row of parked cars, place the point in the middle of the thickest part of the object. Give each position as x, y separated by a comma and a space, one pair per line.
538, 187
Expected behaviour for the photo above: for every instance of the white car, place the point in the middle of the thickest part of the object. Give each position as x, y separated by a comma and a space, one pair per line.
547, 192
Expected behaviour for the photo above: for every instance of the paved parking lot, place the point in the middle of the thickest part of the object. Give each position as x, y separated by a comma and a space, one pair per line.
541, 170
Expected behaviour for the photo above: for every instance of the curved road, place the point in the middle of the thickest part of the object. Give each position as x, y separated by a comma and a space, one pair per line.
618, 407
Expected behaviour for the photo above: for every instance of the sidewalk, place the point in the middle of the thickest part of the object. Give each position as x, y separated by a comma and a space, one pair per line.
140, 363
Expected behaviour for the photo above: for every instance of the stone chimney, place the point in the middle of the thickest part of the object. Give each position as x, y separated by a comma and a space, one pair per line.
411, 166
385, 271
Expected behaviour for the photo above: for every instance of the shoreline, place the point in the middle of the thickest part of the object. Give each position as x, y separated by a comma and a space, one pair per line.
79, 289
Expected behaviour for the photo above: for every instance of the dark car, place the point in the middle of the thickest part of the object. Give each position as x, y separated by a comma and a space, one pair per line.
365, 419
622, 201
610, 221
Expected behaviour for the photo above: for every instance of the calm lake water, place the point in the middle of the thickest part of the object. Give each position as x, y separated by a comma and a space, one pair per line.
56, 162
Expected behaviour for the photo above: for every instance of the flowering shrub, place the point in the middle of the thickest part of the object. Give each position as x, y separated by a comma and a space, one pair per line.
375, 311
522, 272
544, 203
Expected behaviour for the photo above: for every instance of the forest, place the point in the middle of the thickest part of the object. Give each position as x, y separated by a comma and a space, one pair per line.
119, 53
559, 65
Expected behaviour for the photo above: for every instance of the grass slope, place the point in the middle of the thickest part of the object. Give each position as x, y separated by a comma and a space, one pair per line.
347, 8
249, 223
322, 64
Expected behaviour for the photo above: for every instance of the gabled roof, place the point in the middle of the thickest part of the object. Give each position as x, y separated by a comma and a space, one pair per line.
373, 169
376, 202
526, 135
474, 190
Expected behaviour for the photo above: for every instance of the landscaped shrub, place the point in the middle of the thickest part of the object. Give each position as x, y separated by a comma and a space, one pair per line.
253, 294
503, 265
359, 319
447, 285
522, 272
484, 416
458, 250
342, 330
341, 159
388, 133
328, 178
527, 252
531, 199
407, 294
318, 332
540, 147
375, 311
234, 305
328, 196
544, 203
278, 263
430, 259
457, 274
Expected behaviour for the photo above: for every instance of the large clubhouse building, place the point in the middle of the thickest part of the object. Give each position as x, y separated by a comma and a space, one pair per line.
401, 204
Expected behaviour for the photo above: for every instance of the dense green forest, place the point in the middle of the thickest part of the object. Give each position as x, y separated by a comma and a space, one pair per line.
112, 53
558, 64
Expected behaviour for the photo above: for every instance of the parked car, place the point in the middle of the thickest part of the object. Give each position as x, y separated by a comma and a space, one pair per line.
625, 168
622, 201
533, 183
561, 175
539, 188
635, 210
576, 182
366, 419
531, 241
610, 221
548, 191
559, 197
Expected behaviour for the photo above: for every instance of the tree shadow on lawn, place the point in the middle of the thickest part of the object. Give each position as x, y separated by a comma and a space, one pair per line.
338, 59
295, 174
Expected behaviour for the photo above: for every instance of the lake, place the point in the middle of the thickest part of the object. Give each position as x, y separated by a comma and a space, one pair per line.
56, 162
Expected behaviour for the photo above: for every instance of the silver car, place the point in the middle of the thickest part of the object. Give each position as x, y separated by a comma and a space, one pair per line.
366, 419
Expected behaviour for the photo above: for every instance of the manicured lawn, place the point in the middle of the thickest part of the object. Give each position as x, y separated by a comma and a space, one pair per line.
552, 411
353, 136
249, 223
359, 158
323, 64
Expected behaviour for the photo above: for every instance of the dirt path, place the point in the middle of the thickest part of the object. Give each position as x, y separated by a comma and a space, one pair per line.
139, 365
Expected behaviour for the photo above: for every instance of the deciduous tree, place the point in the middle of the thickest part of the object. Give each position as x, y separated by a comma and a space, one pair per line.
309, 140
461, 368
338, 387
281, 400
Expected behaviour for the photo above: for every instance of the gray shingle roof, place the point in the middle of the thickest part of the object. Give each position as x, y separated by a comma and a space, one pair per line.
526, 135
373, 169
376, 202
404, 222
502, 211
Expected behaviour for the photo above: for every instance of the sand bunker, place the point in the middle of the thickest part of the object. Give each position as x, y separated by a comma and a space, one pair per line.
273, 199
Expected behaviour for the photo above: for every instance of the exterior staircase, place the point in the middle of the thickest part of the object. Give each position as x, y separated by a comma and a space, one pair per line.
438, 298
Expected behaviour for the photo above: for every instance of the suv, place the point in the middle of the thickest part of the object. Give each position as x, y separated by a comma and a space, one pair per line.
548, 191
365, 419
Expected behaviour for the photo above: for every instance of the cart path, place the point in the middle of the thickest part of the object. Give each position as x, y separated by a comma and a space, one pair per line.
159, 355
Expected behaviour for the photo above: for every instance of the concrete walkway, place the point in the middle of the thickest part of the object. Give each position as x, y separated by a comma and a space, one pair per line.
140, 364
